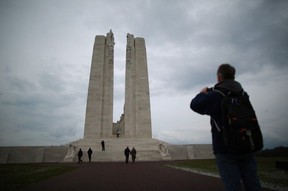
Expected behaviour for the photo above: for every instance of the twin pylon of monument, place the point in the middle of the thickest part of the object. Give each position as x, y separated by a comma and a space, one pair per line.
135, 122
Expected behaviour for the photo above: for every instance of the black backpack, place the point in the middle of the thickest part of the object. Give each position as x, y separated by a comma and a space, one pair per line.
241, 131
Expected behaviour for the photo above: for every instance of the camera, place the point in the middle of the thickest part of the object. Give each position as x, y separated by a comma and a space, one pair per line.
210, 89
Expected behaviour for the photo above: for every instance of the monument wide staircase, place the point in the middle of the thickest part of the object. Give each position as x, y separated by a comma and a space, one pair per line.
148, 149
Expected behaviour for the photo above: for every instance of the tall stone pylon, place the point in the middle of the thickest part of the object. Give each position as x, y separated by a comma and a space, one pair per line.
137, 114
99, 109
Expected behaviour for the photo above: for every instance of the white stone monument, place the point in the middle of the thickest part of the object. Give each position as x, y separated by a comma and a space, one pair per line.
133, 129
136, 119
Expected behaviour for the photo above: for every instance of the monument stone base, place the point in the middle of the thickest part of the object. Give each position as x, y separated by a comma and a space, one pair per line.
147, 150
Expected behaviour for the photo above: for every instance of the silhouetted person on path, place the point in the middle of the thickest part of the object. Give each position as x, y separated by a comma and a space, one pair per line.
80, 154
127, 153
117, 133
89, 154
133, 154
103, 145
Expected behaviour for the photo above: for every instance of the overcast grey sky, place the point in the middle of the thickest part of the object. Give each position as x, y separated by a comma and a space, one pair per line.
46, 50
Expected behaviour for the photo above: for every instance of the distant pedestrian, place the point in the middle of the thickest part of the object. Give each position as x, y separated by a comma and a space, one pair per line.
133, 154
127, 153
80, 154
103, 145
89, 154
117, 133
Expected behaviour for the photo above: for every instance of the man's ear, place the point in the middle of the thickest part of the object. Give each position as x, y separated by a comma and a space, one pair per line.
219, 78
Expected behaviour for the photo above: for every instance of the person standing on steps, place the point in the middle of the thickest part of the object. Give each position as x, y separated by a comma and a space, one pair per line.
127, 153
103, 145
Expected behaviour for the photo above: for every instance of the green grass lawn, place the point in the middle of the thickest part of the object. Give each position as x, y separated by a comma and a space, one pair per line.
268, 173
266, 169
15, 176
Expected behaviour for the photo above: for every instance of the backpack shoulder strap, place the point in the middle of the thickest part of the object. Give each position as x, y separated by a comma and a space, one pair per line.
218, 91
229, 93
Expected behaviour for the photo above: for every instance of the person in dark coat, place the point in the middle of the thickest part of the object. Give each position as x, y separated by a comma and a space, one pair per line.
80, 154
103, 145
133, 154
89, 154
127, 153
233, 167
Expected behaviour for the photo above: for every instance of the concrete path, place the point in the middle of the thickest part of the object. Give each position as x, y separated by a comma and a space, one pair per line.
141, 176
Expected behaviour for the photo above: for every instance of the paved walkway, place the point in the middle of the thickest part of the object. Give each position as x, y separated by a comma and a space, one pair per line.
141, 176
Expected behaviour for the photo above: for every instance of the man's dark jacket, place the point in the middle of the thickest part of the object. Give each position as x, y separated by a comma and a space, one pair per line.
127, 152
210, 104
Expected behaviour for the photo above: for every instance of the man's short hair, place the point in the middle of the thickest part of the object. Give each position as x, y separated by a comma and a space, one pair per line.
226, 71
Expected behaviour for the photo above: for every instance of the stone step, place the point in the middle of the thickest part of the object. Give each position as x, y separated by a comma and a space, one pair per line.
117, 144
101, 156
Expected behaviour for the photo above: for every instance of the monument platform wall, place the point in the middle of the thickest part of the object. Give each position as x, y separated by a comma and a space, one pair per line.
37, 154
189, 152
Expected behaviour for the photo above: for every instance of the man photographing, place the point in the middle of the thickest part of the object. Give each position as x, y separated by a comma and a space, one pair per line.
233, 166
